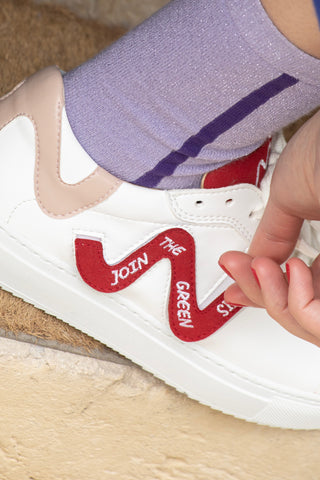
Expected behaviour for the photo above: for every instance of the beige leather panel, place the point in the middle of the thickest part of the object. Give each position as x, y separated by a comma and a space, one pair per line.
41, 98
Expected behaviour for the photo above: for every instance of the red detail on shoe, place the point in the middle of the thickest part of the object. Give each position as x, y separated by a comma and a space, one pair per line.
249, 169
187, 321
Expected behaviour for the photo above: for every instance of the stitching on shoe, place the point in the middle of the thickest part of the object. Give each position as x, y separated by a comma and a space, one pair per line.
13, 211
37, 172
44, 259
165, 300
159, 228
209, 193
12, 91
207, 218
60, 106
196, 352
175, 196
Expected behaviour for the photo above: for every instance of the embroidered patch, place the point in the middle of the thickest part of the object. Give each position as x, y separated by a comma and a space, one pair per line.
187, 321
249, 169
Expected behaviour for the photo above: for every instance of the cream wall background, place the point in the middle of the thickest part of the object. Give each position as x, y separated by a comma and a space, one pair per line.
127, 13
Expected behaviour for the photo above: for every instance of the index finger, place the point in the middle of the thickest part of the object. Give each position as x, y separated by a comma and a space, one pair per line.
276, 235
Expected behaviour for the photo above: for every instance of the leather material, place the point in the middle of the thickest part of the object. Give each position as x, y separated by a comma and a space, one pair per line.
228, 206
187, 321
249, 169
85, 166
41, 99
250, 367
123, 232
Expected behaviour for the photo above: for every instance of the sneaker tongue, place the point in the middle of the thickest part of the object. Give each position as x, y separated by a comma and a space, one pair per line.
249, 169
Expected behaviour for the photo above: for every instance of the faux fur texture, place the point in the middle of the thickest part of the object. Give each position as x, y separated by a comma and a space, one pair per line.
127, 13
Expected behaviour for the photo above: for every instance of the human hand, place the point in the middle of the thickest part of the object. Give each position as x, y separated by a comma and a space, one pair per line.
294, 196
293, 299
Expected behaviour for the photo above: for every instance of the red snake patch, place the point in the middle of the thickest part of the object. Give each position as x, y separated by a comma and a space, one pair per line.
187, 321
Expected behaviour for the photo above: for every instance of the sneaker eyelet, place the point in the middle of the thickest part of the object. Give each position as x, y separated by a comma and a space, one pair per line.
229, 202
199, 203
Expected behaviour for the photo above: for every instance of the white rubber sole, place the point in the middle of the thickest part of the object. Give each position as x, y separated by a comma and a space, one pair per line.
27, 275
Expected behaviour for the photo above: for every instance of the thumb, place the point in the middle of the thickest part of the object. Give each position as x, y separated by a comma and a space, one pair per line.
276, 235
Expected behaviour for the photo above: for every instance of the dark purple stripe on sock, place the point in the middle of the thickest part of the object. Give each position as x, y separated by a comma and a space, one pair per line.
317, 7
214, 129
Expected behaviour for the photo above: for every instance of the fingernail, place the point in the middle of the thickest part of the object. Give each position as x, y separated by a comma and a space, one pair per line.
288, 272
256, 276
225, 270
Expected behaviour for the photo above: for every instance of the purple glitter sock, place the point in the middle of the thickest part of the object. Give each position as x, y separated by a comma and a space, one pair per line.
198, 84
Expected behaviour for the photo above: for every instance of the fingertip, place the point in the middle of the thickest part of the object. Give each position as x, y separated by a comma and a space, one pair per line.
235, 296
221, 265
256, 276
260, 263
264, 267
260, 266
233, 263
301, 289
231, 258
295, 266
231, 295
288, 272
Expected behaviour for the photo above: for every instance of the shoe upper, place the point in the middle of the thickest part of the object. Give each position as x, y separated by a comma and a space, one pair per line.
153, 252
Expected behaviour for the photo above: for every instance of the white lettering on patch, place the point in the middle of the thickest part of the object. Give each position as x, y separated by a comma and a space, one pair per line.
183, 306
171, 246
225, 309
133, 267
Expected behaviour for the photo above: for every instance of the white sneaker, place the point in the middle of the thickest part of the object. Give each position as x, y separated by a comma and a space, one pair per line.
137, 268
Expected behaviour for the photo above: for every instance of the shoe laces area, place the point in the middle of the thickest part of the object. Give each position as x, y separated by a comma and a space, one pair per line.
277, 145
308, 245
